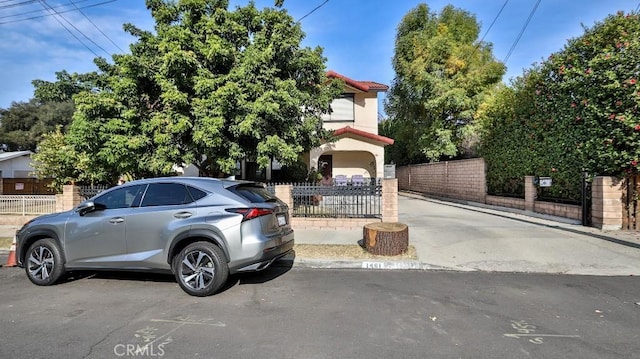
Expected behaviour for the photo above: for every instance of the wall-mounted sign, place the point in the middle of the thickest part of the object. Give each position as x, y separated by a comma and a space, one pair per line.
545, 181
19, 186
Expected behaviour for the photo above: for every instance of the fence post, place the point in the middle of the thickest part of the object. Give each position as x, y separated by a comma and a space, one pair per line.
70, 197
529, 193
390, 200
283, 192
606, 203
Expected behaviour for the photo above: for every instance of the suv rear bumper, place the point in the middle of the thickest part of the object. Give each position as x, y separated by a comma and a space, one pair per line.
267, 257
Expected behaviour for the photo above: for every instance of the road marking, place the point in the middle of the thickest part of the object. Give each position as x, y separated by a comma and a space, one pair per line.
218, 324
541, 335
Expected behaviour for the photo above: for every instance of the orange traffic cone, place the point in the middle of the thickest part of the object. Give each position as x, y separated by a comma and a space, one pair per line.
11, 260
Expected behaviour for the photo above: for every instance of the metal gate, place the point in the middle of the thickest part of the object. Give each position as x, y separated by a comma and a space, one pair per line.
630, 206
587, 180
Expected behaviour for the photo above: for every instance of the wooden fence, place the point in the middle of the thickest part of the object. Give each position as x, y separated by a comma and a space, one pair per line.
26, 186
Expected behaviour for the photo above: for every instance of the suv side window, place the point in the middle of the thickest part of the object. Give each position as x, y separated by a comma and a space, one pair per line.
119, 198
166, 194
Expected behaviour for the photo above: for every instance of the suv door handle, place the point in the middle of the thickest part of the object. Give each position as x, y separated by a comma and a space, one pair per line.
116, 220
183, 215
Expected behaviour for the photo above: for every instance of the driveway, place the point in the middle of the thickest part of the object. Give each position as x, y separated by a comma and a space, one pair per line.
467, 238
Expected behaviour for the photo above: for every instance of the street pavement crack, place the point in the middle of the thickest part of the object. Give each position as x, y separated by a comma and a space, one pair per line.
131, 318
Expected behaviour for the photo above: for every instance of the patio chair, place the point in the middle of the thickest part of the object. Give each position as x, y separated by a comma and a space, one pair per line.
340, 180
357, 180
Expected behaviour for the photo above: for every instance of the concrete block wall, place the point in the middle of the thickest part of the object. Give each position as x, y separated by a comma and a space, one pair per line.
508, 202
463, 179
606, 205
558, 209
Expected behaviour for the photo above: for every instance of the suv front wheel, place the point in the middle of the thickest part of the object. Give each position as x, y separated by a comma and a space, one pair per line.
200, 269
43, 262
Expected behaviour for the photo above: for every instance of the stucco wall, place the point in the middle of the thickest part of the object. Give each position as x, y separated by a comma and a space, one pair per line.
346, 152
9, 167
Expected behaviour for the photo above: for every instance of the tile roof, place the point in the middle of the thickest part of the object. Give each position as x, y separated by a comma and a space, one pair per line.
365, 134
365, 86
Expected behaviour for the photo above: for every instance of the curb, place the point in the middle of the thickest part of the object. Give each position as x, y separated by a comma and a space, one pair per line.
312, 263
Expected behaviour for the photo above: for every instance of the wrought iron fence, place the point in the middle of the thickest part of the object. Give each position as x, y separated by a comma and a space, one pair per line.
24, 205
344, 201
88, 191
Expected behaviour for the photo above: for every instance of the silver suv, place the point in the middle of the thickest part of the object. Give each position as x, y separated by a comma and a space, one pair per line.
200, 229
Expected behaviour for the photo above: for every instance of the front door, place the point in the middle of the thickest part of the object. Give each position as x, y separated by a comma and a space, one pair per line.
325, 165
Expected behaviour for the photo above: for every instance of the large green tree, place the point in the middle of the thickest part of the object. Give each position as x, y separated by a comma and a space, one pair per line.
23, 124
576, 111
442, 74
210, 86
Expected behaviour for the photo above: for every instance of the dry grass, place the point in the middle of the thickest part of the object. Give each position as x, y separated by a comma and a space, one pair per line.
341, 251
5, 242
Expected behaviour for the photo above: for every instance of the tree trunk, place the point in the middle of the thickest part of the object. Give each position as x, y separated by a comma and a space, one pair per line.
386, 238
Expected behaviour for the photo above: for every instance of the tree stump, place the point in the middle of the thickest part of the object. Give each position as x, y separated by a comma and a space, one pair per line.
386, 238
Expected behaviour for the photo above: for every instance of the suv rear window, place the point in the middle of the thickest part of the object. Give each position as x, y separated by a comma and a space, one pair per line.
253, 193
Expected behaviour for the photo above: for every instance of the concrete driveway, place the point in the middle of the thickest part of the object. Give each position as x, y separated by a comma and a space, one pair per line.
467, 238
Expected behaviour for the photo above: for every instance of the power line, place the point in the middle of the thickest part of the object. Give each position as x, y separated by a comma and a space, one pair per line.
44, 4
96, 26
314, 10
494, 20
49, 14
18, 4
36, 11
524, 27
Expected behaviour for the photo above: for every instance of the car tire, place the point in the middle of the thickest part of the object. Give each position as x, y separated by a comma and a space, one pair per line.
200, 269
43, 262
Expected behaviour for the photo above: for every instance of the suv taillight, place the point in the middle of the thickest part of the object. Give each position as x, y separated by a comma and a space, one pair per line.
251, 213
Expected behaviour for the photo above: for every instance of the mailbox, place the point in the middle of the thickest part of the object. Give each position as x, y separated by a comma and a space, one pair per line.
544, 181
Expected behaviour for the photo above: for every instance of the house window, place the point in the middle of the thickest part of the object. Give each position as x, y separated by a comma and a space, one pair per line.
342, 110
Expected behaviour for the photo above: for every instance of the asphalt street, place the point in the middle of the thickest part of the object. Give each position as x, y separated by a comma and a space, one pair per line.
302, 313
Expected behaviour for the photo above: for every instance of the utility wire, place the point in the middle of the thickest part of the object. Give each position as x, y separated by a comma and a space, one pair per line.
78, 30
494, 20
314, 10
44, 4
18, 4
524, 27
96, 26
36, 11
49, 14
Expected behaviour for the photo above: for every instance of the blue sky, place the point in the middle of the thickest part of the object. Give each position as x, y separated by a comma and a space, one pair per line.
357, 35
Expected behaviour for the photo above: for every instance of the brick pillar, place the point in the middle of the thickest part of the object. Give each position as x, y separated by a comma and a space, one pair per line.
529, 193
283, 192
606, 203
390, 200
70, 198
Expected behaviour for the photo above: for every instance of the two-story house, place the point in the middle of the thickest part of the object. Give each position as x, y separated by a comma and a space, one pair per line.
359, 150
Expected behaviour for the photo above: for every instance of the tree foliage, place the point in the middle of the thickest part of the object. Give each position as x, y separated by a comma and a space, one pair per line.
577, 111
442, 74
209, 87
23, 124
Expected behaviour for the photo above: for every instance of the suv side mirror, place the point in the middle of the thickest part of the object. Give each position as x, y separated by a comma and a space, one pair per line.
85, 208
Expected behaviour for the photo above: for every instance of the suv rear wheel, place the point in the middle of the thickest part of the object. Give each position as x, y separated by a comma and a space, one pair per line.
200, 269
43, 262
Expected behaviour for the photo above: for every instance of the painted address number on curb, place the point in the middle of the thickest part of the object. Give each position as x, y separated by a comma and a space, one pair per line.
373, 265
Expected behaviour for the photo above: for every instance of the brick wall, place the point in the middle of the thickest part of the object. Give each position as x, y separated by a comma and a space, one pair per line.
463, 179
509, 202
606, 208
